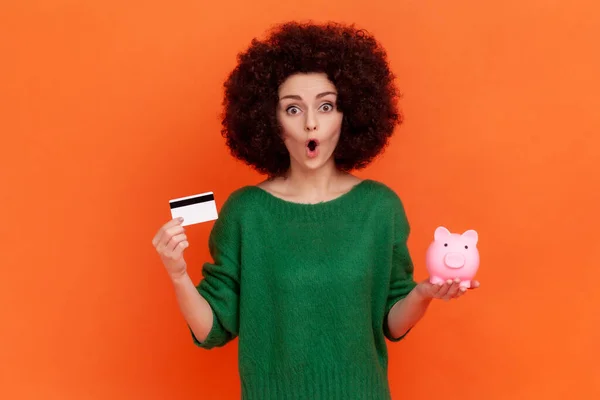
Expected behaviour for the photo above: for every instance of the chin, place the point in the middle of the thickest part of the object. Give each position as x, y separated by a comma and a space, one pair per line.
313, 164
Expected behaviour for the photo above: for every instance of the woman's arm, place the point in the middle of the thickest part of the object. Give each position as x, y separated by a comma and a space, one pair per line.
195, 309
408, 311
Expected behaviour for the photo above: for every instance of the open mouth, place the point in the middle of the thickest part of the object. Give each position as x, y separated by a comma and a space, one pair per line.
312, 147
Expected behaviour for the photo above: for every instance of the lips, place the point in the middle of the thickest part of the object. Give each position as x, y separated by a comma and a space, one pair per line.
312, 143
312, 148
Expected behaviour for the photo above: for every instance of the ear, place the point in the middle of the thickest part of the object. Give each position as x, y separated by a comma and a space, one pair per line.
471, 235
441, 233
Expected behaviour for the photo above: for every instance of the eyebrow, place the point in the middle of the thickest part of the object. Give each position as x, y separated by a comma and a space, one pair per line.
296, 97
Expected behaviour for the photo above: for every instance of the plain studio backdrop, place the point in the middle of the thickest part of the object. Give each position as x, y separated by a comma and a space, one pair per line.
109, 109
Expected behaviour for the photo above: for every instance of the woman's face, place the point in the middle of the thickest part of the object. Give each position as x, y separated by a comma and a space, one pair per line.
310, 121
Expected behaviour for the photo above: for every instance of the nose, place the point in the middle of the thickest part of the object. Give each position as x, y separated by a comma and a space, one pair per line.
311, 122
454, 260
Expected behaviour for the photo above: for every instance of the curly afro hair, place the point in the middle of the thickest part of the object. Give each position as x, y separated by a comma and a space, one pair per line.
353, 61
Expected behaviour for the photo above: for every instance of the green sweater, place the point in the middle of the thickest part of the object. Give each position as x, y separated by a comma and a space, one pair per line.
306, 288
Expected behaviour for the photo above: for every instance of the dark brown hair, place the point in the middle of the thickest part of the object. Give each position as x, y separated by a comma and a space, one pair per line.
353, 61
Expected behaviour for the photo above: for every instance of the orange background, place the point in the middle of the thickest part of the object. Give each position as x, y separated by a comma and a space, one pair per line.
110, 108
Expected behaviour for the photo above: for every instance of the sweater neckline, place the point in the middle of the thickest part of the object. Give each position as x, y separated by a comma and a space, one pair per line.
329, 208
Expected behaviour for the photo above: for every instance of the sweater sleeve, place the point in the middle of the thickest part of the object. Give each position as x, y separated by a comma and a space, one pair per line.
220, 284
401, 278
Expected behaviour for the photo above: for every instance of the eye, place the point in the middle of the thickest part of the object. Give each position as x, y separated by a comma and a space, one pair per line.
293, 110
327, 107
466, 247
445, 244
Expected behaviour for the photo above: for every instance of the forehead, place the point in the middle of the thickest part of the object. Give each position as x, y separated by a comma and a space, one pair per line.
306, 85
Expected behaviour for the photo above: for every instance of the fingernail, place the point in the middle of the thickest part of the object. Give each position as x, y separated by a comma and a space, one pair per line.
449, 281
180, 219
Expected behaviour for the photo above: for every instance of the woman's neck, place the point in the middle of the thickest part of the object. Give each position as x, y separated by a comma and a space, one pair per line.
311, 185
315, 182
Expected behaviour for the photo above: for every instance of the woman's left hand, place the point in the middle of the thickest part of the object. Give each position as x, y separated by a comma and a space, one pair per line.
448, 291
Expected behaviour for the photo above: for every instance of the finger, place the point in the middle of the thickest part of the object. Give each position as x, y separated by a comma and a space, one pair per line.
159, 234
178, 251
175, 240
474, 284
435, 289
429, 288
453, 289
166, 226
165, 239
443, 290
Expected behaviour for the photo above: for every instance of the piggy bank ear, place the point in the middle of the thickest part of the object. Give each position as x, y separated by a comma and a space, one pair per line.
441, 233
471, 235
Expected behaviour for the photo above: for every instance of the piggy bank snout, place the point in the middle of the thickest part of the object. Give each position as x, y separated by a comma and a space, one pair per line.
454, 260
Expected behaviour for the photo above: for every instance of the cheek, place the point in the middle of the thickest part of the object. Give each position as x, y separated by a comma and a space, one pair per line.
290, 135
334, 128
336, 136
286, 132
289, 128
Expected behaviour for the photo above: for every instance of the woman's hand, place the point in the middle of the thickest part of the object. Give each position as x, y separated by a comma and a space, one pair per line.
170, 241
448, 291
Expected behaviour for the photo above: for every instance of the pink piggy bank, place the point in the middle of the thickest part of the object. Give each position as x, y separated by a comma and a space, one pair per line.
452, 255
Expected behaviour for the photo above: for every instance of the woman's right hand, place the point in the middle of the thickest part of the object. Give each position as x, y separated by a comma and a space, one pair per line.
170, 241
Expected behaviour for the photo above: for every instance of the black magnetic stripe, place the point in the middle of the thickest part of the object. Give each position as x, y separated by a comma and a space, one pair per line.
193, 200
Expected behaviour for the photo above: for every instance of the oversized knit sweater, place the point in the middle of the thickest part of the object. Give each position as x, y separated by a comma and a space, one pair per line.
306, 289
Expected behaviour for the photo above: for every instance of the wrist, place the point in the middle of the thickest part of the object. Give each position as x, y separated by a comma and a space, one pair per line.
179, 278
421, 293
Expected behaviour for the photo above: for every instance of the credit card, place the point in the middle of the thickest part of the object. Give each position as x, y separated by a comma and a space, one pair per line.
194, 209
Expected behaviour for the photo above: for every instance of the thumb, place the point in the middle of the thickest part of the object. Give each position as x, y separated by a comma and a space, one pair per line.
474, 285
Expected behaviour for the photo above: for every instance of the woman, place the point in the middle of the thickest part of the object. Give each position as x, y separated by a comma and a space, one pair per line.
310, 268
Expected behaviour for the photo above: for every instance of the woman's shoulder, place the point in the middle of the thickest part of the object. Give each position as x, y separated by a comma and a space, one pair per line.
240, 198
384, 192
